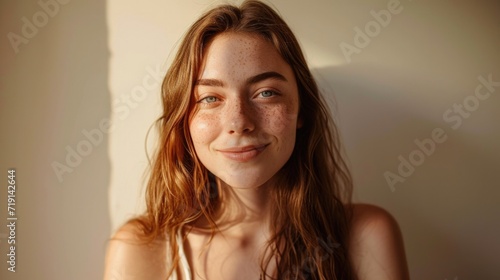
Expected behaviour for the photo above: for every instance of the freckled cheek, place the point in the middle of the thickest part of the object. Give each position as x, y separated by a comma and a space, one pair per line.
282, 120
203, 128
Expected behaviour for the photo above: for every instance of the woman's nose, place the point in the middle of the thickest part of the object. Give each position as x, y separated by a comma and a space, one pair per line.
239, 117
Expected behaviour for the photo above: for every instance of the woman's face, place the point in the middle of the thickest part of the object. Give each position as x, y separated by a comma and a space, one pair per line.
245, 119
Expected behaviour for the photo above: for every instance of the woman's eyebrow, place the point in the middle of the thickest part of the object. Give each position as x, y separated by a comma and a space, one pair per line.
252, 80
209, 82
266, 75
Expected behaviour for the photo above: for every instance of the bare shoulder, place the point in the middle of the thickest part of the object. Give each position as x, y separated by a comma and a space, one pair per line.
376, 245
129, 257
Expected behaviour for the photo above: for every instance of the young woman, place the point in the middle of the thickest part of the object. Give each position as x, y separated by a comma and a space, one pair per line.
248, 181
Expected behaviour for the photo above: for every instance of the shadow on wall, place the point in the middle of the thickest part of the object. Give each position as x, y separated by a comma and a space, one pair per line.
54, 104
446, 201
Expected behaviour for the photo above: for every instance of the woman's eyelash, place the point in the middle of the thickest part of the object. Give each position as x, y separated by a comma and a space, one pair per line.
264, 94
208, 99
268, 93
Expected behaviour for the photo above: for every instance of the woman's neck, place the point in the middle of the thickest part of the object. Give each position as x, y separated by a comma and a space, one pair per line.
242, 213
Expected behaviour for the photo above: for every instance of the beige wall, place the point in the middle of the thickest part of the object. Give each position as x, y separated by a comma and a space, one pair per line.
95, 61
53, 90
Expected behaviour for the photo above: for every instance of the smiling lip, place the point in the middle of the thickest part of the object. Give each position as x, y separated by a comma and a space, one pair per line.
243, 154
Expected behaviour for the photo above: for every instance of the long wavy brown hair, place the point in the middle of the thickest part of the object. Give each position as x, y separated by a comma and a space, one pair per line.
312, 191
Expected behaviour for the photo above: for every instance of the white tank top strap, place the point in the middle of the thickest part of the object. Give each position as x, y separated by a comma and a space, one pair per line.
183, 263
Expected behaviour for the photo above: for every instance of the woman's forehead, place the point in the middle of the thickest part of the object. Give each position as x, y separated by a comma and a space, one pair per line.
233, 54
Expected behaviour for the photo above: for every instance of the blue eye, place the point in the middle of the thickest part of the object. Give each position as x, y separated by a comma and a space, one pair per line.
267, 93
209, 99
